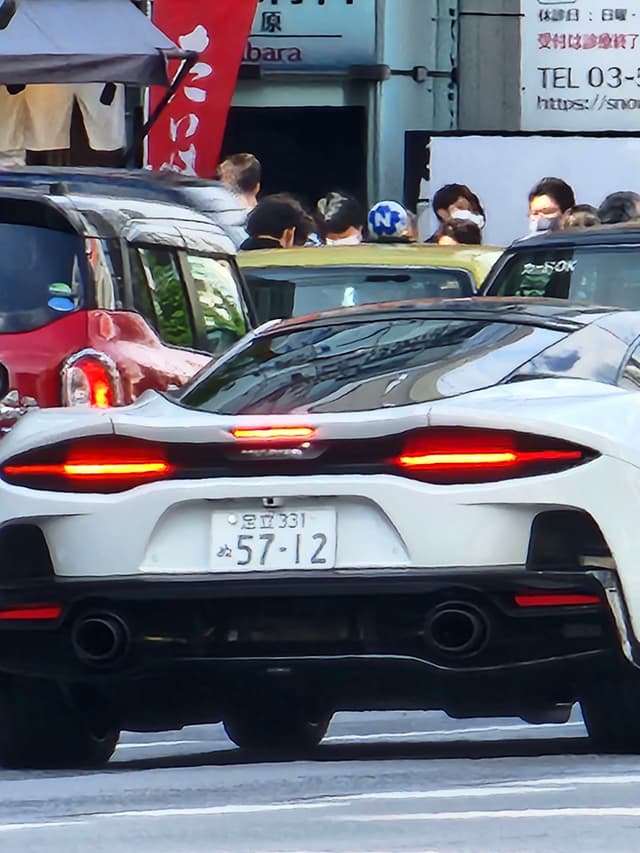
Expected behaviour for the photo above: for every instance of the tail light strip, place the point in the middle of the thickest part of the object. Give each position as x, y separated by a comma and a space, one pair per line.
91, 378
436, 455
556, 600
506, 457
31, 613
273, 433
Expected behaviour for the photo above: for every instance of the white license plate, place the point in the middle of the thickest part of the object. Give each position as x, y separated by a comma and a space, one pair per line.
262, 540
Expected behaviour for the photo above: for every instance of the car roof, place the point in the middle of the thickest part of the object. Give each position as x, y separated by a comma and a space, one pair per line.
124, 209
599, 235
27, 175
554, 313
365, 254
110, 216
476, 260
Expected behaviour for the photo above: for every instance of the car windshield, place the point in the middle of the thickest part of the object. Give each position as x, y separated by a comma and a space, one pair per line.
42, 277
294, 291
364, 365
603, 275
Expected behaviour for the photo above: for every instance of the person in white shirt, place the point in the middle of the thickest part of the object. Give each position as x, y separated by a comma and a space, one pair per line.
242, 174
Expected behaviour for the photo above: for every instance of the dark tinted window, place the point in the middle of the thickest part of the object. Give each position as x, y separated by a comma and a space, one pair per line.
41, 276
356, 366
294, 291
600, 275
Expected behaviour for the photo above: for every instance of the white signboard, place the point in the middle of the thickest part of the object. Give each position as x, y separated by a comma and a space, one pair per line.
308, 34
581, 65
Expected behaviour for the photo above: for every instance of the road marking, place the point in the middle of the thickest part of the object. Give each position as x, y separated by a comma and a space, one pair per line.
17, 827
518, 814
613, 779
169, 813
449, 793
159, 743
449, 732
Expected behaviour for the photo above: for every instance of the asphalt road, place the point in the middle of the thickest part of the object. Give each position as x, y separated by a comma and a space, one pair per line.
379, 783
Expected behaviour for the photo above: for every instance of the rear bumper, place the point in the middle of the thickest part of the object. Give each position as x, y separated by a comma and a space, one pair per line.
383, 621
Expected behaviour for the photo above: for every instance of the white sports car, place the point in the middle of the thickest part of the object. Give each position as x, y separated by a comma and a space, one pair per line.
411, 505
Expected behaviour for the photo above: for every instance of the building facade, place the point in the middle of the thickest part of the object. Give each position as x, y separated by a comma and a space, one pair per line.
329, 88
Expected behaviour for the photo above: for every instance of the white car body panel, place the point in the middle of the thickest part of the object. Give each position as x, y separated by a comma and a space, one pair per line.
385, 522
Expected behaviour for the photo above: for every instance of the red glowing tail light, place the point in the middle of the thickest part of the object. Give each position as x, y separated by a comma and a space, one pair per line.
90, 379
474, 455
110, 464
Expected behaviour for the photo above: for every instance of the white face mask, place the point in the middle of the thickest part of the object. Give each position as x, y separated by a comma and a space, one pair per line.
351, 240
476, 218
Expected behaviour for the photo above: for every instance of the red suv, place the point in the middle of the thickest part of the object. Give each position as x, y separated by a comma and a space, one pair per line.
102, 298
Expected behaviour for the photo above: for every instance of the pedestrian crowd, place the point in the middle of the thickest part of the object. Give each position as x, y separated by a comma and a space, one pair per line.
281, 220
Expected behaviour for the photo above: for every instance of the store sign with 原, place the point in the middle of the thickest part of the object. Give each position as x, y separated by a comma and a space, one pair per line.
581, 65
312, 34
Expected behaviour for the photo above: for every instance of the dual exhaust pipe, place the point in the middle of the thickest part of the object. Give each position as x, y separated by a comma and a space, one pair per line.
454, 629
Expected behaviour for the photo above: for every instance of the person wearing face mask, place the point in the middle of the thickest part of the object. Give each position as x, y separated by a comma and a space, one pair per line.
548, 200
456, 201
340, 220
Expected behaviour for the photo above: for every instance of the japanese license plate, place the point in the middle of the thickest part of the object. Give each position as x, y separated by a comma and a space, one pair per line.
259, 540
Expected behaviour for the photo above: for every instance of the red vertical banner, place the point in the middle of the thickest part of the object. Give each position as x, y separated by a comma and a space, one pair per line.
188, 135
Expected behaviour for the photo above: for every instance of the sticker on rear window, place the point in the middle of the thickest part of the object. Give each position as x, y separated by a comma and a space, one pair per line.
549, 267
61, 303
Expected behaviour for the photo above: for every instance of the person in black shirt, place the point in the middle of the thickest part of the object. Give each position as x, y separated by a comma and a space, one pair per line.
277, 222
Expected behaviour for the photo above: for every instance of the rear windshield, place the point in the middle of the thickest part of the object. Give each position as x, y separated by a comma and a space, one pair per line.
603, 275
294, 291
358, 366
40, 276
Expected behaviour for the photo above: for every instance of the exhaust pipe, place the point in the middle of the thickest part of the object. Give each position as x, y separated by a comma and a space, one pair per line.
100, 638
457, 628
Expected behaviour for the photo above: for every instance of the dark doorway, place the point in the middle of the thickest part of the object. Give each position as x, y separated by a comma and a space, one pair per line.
307, 151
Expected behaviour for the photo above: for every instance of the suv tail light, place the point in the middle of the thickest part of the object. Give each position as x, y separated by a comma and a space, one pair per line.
90, 378
100, 465
470, 455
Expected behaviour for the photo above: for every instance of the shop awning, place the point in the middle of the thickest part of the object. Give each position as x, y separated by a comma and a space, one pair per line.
83, 41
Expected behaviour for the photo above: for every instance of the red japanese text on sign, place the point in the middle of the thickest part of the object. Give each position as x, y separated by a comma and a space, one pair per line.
188, 136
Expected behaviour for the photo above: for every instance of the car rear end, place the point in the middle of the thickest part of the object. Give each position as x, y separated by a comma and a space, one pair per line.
44, 296
598, 266
331, 527
295, 282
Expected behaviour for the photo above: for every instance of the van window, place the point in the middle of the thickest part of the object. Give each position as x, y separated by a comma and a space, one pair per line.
168, 296
600, 275
219, 300
42, 276
282, 292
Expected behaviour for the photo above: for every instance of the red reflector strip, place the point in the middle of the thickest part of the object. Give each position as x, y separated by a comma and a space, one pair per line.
556, 600
35, 612
490, 458
272, 433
